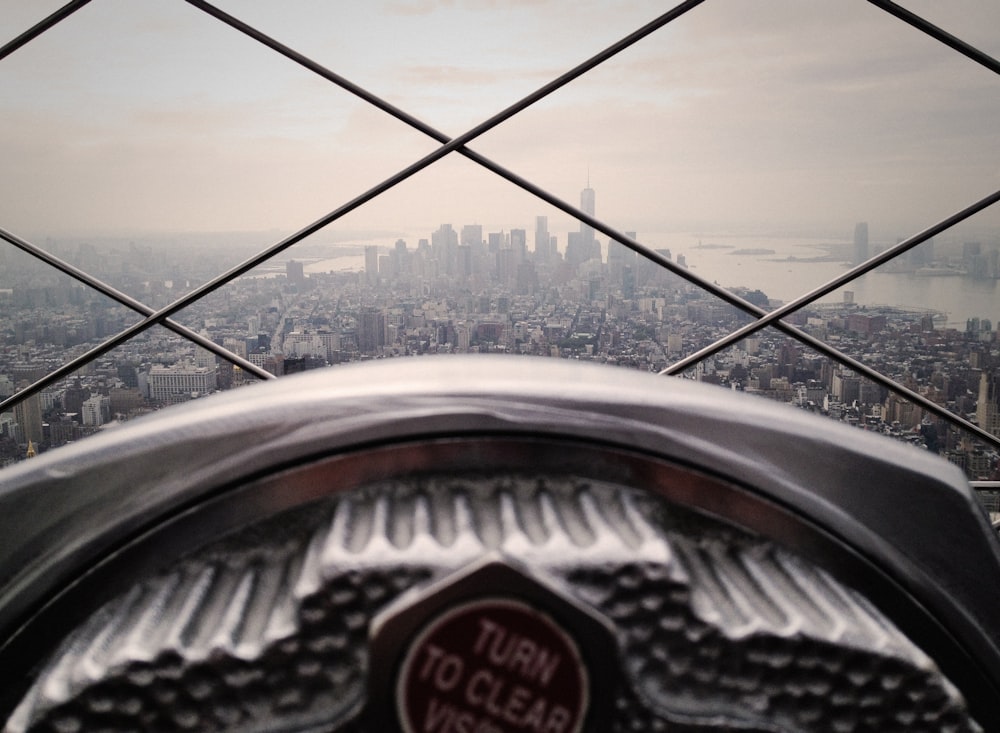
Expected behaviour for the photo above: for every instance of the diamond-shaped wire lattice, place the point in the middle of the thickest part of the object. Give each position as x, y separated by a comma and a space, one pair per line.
459, 145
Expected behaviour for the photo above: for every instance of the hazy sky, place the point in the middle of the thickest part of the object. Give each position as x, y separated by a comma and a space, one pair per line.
795, 115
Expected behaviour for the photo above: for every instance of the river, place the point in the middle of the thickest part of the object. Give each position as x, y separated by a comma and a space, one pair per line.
782, 267
766, 263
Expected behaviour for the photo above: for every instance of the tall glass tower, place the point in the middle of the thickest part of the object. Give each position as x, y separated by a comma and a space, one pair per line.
587, 241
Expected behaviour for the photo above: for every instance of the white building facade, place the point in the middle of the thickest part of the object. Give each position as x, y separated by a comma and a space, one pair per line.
181, 382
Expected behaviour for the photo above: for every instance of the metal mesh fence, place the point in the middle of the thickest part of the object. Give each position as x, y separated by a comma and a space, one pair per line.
460, 145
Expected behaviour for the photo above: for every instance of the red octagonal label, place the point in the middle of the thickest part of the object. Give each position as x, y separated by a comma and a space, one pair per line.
492, 666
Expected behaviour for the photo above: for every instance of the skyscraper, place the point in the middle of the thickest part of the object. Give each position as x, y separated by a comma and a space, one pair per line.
988, 405
28, 415
542, 239
860, 242
295, 272
96, 410
472, 235
587, 241
444, 244
519, 243
619, 254
371, 264
371, 330
575, 251
400, 258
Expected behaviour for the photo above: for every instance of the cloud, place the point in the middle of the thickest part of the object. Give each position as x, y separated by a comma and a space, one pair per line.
447, 75
781, 111
425, 7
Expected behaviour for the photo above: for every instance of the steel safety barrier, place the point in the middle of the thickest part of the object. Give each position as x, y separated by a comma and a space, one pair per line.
490, 544
459, 145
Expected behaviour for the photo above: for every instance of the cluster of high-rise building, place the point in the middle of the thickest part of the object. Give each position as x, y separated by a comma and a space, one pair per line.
466, 290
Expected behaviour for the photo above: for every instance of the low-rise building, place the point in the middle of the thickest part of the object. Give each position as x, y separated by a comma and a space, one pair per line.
180, 382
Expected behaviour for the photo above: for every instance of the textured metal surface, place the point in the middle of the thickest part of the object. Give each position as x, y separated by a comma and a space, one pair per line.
267, 629
80, 524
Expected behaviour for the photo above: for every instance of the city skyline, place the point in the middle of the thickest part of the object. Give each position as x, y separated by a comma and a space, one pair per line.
135, 123
581, 242
486, 292
129, 121
735, 260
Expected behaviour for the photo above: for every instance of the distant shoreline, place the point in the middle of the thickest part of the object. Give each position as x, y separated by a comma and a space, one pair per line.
807, 260
752, 251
